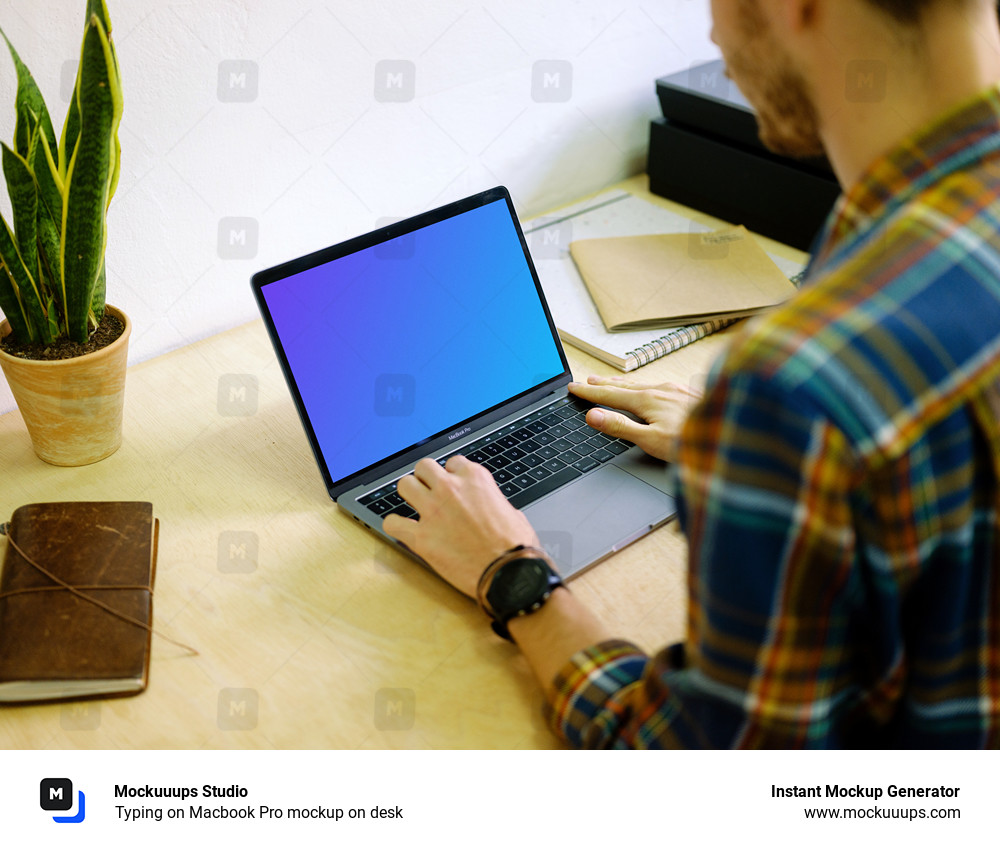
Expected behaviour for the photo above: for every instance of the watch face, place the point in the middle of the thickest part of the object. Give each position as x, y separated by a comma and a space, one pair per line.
518, 585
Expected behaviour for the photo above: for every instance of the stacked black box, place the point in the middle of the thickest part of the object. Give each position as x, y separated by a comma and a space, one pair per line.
705, 153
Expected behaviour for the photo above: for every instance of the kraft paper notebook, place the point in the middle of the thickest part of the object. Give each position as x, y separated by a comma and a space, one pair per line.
611, 214
676, 279
76, 603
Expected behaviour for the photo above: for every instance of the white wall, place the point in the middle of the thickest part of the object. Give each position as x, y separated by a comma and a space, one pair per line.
275, 121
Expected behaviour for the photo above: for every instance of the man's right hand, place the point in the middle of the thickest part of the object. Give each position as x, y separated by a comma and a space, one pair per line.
662, 407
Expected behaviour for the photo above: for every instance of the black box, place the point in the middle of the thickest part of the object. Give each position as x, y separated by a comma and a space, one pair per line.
705, 153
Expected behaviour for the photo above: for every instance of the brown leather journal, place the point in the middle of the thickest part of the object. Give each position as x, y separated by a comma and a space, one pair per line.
77, 622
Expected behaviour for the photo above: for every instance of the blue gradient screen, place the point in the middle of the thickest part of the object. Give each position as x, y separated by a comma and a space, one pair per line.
395, 343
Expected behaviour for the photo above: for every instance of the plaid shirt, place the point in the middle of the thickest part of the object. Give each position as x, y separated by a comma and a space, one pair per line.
839, 491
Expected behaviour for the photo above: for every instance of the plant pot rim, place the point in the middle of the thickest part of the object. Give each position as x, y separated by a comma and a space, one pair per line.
70, 362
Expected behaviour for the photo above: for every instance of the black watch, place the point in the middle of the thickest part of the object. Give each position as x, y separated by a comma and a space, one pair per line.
518, 582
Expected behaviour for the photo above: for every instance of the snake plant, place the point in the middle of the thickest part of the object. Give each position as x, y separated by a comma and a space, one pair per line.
53, 281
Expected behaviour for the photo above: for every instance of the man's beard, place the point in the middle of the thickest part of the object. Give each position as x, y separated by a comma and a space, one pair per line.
786, 117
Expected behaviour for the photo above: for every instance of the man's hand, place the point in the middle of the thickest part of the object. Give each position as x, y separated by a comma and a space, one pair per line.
465, 521
663, 409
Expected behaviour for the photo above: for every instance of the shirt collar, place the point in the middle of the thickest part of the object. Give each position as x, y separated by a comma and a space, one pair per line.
956, 140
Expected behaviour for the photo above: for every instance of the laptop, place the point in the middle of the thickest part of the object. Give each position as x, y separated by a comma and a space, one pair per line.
431, 337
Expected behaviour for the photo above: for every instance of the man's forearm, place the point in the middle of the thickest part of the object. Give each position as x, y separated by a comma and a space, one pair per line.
553, 634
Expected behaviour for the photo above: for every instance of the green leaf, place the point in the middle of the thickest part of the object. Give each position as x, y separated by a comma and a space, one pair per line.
29, 105
50, 311
24, 311
100, 9
25, 126
100, 293
49, 266
50, 209
46, 172
10, 305
70, 131
71, 126
88, 178
24, 203
116, 168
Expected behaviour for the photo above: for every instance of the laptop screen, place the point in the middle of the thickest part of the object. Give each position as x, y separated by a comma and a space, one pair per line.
397, 342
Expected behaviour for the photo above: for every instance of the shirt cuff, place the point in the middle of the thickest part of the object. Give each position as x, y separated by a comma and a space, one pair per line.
591, 691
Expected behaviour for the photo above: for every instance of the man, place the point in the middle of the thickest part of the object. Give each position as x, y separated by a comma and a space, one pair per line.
839, 480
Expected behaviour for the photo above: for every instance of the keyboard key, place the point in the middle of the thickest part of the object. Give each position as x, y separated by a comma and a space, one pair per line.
523, 434
618, 447
381, 493
502, 476
559, 431
518, 468
601, 455
554, 465
509, 489
586, 464
543, 439
540, 474
530, 446
562, 445
533, 460
515, 453
542, 488
492, 449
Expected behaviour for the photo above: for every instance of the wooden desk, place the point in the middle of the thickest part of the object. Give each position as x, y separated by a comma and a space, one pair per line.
311, 633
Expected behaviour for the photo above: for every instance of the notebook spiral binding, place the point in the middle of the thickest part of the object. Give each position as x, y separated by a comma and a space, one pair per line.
676, 339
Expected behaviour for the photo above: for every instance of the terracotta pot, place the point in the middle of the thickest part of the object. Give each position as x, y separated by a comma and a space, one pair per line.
73, 408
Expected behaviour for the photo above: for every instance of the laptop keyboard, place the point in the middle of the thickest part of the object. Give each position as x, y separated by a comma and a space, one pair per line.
528, 458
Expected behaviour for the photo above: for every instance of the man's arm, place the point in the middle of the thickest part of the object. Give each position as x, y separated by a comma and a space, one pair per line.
773, 590
465, 523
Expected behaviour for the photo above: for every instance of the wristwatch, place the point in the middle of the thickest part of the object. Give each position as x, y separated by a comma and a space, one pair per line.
519, 582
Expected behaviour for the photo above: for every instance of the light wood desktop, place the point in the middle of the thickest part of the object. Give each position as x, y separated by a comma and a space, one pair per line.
310, 632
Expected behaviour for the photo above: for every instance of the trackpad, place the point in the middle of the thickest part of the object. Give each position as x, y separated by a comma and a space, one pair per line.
596, 515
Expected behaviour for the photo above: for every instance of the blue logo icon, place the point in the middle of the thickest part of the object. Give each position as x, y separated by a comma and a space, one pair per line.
56, 795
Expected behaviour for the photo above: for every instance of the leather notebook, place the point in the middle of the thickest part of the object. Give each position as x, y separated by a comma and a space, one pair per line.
76, 600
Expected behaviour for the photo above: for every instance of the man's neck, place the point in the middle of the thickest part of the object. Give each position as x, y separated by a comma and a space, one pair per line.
888, 90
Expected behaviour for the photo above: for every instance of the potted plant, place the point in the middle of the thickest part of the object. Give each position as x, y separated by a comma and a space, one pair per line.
62, 350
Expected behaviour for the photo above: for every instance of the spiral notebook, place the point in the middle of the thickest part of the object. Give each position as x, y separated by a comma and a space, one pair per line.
614, 213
